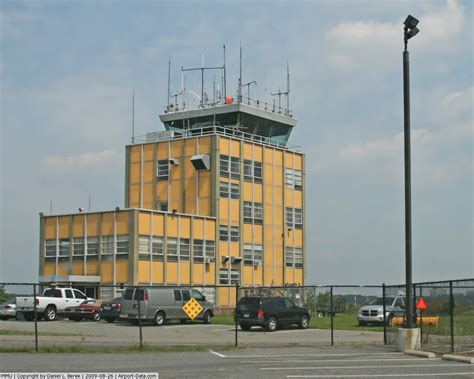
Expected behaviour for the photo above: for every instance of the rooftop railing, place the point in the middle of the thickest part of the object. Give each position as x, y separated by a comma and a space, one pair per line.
226, 131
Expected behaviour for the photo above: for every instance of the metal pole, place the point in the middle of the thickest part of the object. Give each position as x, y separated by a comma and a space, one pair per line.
36, 317
225, 81
236, 301
451, 300
421, 318
384, 316
406, 114
332, 322
139, 316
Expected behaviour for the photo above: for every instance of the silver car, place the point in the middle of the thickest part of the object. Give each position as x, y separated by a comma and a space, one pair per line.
158, 304
8, 310
372, 313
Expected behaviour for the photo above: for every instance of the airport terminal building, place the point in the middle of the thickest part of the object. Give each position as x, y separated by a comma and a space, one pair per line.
214, 199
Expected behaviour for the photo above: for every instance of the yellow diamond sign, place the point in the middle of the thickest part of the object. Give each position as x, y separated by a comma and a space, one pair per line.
192, 308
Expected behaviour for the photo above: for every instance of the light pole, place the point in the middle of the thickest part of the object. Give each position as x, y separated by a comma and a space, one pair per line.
410, 30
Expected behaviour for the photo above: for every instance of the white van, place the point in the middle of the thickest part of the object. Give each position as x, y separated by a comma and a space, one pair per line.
160, 304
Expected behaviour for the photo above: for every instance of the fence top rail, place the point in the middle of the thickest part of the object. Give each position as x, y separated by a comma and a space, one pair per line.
435, 282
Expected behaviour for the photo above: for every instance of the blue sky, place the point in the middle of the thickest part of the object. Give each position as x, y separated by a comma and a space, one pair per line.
68, 70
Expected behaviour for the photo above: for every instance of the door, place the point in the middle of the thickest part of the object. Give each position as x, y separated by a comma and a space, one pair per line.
186, 297
70, 301
291, 312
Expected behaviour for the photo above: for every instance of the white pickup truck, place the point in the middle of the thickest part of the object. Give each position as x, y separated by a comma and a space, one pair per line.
52, 303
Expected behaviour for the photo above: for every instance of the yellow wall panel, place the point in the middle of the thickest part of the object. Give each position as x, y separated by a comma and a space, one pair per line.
63, 268
298, 235
189, 170
93, 225
268, 170
190, 148
247, 233
288, 197
121, 272
135, 153
49, 269
278, 196
205, 184
258, 153
190, 188
298, 199
158, 223
162, 190
184, 273
148, 152
64, 227
247, 279
223, 209
269, 237
258, 234
175, 149
148, 171
135, 173
134, 195
78, 222
205, 145
171, 272
175, 192
144, 223
175, 171
258, 275
108, 223
107, 273
204, 206
198, 229
299, 276
288, 160
234, 211
162, 152
198, 273
211, 230
234, 249
268, 155
143, 272
235, 148
269, 195
210, 278
223, 249
298, 161
147, 193
122, 222
184, 227
278, 157
224, 145
92, 268
157, 272
77, 268
247, 150
172, 226
247, 191
258, 193
50, 228
279, 177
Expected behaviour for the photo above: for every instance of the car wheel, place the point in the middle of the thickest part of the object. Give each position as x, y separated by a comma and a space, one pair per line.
96, 316
304, 322
245, 327
29, 316
159, 319
3, 318
50, 313
110, 319
389, 320
19, 316
362, 323
207, 317
271, 325
133, 321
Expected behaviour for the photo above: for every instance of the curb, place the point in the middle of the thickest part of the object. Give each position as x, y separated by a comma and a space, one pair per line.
458, 358
419, 353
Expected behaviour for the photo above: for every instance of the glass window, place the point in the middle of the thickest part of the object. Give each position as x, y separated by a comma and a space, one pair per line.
223, 232
144, 245
52, 293
288, 303
50, 248
229, 167
92, 246
224, 189
198, 250
247, 212
258, 213
248, 170
252, 171
298, 218
234, 191
69, 294
162, 169
186, 296
177, 295
64, 245
79, 295
122, 245
252, 254
78, 246
289, 257
107, 245
293, 179
172, 246
229, 276
184, 249
234, 234
210, 249
157, 248
289, 217
198, 295
257, 172
235, 168
224, 166
163, 206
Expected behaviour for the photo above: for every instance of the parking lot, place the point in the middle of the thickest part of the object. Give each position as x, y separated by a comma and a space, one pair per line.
297, 362
120, 334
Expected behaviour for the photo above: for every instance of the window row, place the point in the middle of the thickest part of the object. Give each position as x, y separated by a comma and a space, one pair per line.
229, 233
293, 179
229, 276
253, 171
294, 257
229, 190
294, 218
62, 247
253, 213
253, 254
176, 247
229, 167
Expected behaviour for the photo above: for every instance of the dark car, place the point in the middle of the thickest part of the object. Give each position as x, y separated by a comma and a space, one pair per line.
87, 310
270, 313
110, 310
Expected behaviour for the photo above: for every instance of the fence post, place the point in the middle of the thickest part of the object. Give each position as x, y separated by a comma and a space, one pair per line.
235, 318
36, 317
452, 305
384, 316
421, 318
140, 316
332, 321
415, 317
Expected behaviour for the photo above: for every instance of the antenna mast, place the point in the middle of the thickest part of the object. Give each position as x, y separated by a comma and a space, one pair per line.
169, 80
240, 76
287, 93
202, 68
133, 115
225, 80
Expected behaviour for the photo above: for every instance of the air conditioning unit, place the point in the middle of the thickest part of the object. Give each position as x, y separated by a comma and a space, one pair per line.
208, 260
225, 258
256, 263
201, 162
235, 260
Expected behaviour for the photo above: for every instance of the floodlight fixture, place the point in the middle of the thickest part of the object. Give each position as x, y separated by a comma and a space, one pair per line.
411, 22
410, 28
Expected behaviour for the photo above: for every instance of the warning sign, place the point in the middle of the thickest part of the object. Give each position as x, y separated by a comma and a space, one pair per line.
192, 308
421, 304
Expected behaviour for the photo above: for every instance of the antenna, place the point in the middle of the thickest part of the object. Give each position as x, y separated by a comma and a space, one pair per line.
169, 79
51, 207
240, 76
225, 80
89, 202
248, 88
287, 93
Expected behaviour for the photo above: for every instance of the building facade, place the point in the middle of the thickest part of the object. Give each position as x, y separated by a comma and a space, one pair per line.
217, 198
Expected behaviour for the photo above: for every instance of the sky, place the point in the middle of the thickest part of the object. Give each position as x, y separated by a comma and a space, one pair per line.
68, 69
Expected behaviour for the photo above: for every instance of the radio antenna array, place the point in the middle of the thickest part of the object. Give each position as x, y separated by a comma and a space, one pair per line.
287, 92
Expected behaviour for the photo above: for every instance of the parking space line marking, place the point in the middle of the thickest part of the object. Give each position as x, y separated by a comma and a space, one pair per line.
355, 367
338, 360
216, 353
313, 355
379, 375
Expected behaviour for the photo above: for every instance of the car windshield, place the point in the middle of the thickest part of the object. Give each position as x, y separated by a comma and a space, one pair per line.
379, 301
248, 303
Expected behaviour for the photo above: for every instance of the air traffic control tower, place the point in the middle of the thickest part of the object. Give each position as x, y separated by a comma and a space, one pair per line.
214, 199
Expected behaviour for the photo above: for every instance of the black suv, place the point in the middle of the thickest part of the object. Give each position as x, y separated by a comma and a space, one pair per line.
270, 313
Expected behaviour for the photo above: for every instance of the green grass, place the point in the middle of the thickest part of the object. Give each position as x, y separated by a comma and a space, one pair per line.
79, 349
32, 333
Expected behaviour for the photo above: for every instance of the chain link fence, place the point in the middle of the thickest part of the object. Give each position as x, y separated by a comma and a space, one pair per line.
127, 317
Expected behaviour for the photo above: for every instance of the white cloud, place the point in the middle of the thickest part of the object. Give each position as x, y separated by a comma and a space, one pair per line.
90, 163
459, 103
363, 45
